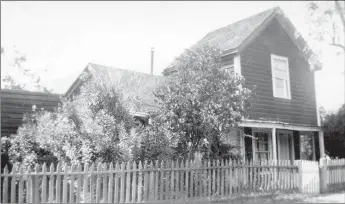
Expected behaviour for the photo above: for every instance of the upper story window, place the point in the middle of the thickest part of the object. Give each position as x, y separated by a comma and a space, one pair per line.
280, 77
229, 69
228, 64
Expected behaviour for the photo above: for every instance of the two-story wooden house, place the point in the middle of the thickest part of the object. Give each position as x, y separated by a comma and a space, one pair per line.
268, 52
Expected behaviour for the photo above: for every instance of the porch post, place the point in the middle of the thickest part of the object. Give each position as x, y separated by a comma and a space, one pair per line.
321, 144
274, 144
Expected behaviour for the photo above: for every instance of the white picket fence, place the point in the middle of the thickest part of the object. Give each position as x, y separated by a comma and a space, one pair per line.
332, 175
133, 182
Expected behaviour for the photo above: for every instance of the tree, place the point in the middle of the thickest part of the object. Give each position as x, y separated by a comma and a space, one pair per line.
200, 103
334, 128
9, 80
93, 127
327, 20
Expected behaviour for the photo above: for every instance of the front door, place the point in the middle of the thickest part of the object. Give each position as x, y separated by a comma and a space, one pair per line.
285, 145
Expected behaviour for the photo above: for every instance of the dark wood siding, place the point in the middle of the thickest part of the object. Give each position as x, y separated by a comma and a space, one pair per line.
15, 103
228, 60
256, 68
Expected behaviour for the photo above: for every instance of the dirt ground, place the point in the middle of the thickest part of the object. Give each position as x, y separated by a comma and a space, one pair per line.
330, 198
279, 198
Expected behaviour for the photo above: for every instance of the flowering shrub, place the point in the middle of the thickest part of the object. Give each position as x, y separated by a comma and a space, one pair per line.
92, 127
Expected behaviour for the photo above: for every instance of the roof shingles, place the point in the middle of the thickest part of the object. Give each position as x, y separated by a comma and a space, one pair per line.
139, 85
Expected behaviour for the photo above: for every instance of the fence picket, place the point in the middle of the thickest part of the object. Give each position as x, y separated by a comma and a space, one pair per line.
161, 189
156, 180
182, 180
71, 185
21, 186
116, 183
204, 178
134, 183
44, 184
209, 171
187, 180
111, 183
146, 182
28, 186
92, 183
231, 177
64, 185
177, 180
98, 183
197, 179
151, 188
218, 178
78, 193
85, 183
140, 181
105, 183
36, 196
172, 184
122, 185
226, 178
167, 183
128, 181
222, 178
13, 185
5, 186
191, 184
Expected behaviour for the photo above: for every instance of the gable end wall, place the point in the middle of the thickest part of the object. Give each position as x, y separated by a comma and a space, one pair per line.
256, 68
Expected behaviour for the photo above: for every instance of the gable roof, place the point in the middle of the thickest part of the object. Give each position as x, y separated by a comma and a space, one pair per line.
236, 36
133, 83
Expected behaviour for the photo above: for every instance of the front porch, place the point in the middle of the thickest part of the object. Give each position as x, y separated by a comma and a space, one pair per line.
274, 141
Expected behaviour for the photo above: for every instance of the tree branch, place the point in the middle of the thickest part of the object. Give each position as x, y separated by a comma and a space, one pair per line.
341, 14
338, 45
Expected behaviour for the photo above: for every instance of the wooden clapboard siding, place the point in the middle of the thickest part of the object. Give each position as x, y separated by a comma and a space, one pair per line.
256, 68
14, 103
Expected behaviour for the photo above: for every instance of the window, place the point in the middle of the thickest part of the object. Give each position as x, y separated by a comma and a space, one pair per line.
285, 145
280, 77
228, 64
261, 146
229, 69
307, 146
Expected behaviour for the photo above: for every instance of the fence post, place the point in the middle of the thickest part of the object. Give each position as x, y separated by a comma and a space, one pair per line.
323, 175
300, 176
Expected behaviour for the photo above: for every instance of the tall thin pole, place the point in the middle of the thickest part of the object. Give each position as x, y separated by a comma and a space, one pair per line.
152, 53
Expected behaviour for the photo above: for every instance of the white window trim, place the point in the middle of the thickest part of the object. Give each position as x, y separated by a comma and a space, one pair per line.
292, 143
273, 76
237, 64
270, 148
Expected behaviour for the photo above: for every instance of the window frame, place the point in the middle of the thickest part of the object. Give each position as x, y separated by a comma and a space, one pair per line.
230, 69
287, 86
290, 138
254, 143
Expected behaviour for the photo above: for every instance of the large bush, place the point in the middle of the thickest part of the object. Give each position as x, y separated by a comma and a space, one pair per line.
200, 103
94, 126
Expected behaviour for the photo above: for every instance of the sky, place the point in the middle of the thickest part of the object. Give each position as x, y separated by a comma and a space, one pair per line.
60, 38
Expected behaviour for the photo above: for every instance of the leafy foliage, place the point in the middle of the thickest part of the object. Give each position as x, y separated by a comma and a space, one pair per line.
9, 80
334, 130
200, 103
90, 128
327, 22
